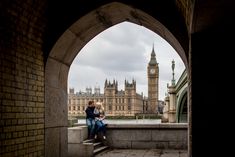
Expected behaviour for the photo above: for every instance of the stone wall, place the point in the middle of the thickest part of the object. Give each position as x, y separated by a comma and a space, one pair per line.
21, 79
160, 136
76, 148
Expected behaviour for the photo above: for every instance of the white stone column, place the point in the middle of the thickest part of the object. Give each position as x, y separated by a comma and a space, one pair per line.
165, 117
172, 104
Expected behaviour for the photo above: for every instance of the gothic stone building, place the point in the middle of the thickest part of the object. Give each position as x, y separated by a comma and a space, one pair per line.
120, 103
116, 102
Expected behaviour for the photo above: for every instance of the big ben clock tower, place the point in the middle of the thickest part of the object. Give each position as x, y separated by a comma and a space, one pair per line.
153, 76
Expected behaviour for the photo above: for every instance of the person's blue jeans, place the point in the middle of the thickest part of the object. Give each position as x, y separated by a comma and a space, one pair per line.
100, 127
91, 127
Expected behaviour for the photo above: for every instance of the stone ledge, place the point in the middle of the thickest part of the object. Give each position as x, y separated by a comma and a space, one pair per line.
77, 134
149, 126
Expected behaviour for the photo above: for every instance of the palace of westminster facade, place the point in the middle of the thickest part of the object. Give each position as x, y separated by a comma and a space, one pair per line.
119, 102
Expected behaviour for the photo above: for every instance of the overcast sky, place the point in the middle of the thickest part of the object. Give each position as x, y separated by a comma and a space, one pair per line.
123, 52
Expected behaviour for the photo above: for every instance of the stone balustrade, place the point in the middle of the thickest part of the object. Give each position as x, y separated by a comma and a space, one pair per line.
146, 136
132, 136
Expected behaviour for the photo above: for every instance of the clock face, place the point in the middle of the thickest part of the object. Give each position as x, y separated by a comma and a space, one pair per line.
152, 71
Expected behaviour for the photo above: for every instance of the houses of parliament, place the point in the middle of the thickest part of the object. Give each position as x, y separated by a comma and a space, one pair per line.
116, 102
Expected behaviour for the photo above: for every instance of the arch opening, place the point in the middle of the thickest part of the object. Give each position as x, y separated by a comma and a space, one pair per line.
122, 53
69, 45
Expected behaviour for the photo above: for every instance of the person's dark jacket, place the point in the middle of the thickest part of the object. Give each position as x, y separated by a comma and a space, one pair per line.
90, 113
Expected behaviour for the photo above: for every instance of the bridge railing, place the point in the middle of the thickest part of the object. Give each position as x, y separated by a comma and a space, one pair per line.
146, 136
132, 136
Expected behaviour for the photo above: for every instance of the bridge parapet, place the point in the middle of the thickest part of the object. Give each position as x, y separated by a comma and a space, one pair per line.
159, 136
132, 136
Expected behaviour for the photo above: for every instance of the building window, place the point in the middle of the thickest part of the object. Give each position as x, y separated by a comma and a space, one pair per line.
110, 107
74, 101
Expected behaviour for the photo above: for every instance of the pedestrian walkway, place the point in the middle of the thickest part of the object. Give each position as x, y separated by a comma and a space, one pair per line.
142, 153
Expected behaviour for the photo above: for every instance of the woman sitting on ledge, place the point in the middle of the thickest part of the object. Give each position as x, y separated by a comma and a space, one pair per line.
99, 121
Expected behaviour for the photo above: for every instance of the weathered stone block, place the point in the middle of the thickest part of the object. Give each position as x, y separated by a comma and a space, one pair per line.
120, 144
77, 134
141, 135
56, 108
80, 150
143, 145
52, 139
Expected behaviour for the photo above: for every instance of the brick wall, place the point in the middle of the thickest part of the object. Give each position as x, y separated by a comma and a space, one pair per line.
25, 129
21, 78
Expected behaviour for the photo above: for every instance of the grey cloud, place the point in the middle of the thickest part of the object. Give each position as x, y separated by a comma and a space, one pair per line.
123, 52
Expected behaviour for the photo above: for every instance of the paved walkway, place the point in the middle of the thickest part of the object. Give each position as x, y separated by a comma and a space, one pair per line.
142, 153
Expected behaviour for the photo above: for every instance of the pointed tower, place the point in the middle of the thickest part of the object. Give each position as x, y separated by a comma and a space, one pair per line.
153, 79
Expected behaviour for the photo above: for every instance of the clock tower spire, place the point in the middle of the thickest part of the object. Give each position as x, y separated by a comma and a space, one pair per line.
153, 77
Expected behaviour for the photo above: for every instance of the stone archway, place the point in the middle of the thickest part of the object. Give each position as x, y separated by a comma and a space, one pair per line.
66, 49
182, 101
